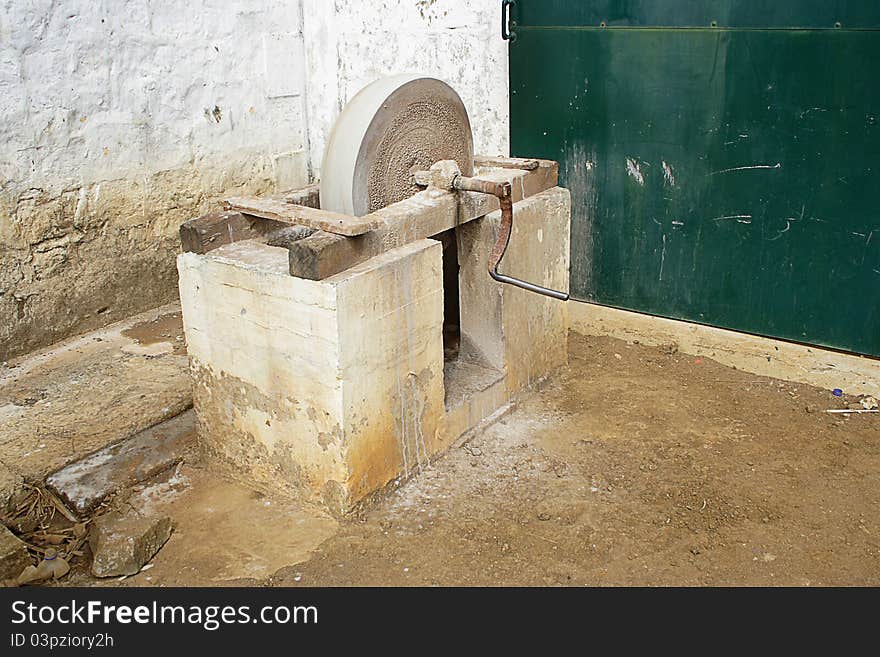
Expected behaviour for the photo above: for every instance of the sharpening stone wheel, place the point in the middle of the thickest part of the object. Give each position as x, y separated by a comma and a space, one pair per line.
390, 129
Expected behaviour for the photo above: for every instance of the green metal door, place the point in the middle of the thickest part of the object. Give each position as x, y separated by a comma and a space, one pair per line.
723, 157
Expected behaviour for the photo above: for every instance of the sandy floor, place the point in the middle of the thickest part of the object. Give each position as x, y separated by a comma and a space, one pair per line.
631, 466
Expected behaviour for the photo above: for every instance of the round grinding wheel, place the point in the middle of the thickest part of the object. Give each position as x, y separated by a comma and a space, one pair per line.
390, 129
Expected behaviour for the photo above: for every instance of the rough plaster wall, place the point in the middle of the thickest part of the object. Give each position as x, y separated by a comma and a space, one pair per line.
350, 43
118, 120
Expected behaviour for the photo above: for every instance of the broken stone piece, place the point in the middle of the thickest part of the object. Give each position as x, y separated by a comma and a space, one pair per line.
122, 543
85, 483
13, 555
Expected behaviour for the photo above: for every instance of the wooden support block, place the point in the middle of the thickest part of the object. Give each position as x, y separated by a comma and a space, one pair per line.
280, 211
309, 196
214, 229
285, 237
323, 254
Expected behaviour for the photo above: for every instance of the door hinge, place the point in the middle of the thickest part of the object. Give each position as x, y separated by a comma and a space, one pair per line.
507, 32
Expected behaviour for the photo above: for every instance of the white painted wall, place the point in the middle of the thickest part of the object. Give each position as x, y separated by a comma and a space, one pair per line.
95, 90
119, 119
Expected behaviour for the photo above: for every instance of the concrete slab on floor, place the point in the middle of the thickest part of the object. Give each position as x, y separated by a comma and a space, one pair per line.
61, 404
85, 483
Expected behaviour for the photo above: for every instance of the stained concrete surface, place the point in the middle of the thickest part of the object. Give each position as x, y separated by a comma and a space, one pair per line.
58, 405
84, 484
631, 465
224, 533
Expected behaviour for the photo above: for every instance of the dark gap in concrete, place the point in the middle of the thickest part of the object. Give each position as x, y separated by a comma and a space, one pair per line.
465, 370
451, 306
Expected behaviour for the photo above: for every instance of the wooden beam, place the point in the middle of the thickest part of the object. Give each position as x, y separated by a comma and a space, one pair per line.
214, 229
425, 214
506, 162
300, 215
323, 254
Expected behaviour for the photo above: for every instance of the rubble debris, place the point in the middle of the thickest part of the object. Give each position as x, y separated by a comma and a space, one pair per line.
13, 554
36, 507
51, 566
37, 510
45, 527
123, 542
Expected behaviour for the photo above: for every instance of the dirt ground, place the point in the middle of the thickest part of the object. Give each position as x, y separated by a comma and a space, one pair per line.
631, 466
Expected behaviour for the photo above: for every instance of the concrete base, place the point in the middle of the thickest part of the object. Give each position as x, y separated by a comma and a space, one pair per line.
333, 388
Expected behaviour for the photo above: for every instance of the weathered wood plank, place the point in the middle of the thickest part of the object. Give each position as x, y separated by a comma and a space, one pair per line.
506, 162
288, 213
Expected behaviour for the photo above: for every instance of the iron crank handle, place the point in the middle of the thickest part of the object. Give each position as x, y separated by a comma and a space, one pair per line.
503, 192
500, 248
506, 33
531, 287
